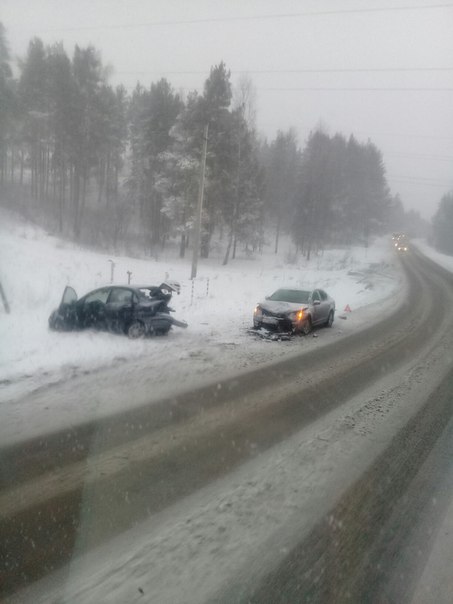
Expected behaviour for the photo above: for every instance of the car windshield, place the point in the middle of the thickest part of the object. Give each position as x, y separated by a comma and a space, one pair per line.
296, 296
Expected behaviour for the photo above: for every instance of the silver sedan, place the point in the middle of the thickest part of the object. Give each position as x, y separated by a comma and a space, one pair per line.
295, 310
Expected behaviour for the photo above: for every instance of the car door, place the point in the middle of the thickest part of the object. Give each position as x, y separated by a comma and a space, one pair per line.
316, 307
91, 309
119, 309
69, 296
66, 315
326, 304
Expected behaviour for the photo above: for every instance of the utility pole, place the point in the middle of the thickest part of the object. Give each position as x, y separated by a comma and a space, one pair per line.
197, 234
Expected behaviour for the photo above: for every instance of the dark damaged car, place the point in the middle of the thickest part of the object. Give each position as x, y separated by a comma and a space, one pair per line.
133, 311
295, 310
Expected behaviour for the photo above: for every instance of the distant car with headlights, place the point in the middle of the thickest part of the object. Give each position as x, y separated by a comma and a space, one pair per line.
400, 241
295, 310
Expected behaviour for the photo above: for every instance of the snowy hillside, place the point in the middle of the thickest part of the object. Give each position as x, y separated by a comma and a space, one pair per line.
442, 259
35, 267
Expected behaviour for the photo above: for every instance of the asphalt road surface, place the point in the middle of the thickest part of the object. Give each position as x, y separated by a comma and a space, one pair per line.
161, 453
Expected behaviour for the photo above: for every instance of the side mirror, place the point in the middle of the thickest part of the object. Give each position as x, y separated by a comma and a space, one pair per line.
316, 302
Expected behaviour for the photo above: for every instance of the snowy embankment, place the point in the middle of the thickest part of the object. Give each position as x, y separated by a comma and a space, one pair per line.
437, 257
35, 267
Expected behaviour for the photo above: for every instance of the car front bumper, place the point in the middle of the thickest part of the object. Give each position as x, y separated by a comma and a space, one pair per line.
274, 322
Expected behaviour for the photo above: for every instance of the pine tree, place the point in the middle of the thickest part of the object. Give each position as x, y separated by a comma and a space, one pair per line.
61, 90
34, 97
154, 114
282, 166
7, 108
213, 109
243, 213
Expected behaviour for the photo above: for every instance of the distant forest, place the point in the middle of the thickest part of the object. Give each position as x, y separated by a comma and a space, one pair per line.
121, 171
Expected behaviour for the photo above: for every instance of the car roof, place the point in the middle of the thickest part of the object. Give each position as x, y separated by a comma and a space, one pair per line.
300, 289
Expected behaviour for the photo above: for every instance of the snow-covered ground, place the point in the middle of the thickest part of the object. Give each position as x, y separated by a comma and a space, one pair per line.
35, 267
434, 255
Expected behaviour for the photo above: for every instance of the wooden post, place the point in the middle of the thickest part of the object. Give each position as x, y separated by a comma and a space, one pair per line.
4, 300
112, 270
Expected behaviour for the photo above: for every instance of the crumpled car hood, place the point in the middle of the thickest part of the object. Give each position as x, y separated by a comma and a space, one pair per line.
281, 308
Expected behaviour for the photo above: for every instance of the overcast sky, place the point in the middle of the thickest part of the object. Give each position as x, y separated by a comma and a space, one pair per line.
380, 69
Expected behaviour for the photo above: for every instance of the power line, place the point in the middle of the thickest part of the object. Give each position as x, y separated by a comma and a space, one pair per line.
422, 184
343, 89
321, 13
421, 156
420, 178
355, 89
406, 135
336, 89
294, 71
426, 182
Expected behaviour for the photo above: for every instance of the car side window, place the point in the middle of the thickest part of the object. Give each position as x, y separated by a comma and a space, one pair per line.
322, 294
100, 295
315, 297
121, 296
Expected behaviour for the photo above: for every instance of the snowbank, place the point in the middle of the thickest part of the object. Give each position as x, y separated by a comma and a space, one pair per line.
437, 257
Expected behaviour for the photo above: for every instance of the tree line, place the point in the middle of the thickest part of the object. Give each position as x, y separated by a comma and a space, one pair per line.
108, 168
443, 225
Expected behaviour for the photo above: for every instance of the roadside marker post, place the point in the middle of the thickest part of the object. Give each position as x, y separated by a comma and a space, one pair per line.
4, 300
112, 270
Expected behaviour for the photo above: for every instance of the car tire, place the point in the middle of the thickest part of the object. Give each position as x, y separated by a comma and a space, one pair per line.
330, 318
306, 326
135, 330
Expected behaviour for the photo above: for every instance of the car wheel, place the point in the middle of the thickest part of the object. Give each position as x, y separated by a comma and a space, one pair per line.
306, 326
135, 330
329, 321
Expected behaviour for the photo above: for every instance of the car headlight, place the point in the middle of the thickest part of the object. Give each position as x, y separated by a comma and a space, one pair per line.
257, 310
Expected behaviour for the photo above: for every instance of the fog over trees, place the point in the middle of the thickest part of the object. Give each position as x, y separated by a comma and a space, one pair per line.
121, 171
443, 225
